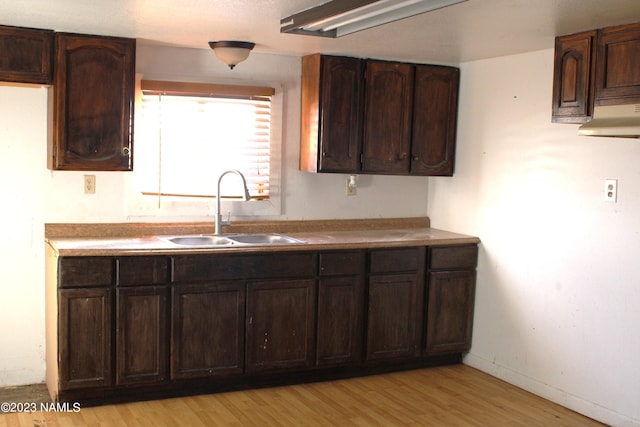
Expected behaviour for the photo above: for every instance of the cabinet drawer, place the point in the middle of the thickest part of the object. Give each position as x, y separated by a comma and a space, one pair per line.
85, 272
145, 270
391, 260
229, 267
449, 257
341, 263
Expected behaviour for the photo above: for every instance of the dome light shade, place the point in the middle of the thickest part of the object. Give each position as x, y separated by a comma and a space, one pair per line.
231, 52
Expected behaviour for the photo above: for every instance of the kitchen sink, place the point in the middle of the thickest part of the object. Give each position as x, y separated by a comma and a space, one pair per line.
265, 239
210, 240
200, 241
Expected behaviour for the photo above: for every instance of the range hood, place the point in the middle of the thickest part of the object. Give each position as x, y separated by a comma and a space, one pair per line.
613, 120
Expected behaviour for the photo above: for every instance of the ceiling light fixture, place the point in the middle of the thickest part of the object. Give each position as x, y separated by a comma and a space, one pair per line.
231, 52
341, 17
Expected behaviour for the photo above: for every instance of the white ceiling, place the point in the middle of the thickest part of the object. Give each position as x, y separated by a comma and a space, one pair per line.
468, 31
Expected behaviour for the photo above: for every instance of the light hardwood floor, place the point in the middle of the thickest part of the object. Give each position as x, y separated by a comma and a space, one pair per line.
444, 396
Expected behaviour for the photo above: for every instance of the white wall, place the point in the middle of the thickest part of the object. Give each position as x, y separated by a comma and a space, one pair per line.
32, 195
305, 195
23, 179
558, 294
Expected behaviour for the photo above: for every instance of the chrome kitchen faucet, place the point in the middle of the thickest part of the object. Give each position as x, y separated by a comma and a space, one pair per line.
245, 197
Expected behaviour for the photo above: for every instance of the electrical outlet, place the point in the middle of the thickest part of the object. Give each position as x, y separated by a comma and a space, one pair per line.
611, 190
351, 189
89, 184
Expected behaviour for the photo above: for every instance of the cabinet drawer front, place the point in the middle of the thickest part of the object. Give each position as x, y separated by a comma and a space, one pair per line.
143, 270
85, 272
228, 267
453, 257
341, 263
401, 259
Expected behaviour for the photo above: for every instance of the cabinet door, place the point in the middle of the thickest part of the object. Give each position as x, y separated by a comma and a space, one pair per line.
26, 55
394, 317
280, 325
207, 330
141, 334
331, 114
340, 115
618, 65
450, 299
435, 111
84, 338
93, 103
340, 308
573, 78
339, 321
387, 117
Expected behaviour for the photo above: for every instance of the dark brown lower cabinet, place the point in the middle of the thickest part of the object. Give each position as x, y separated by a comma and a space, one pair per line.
450, 298
340, 308
450, 311
141, 334
84, 337
207, 329
280, 324
137, 327
393, 317
395, 294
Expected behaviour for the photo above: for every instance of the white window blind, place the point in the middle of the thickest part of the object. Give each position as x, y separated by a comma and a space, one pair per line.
188, 134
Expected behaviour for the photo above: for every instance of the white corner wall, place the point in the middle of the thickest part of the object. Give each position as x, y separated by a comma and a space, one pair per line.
23, 200
558, 295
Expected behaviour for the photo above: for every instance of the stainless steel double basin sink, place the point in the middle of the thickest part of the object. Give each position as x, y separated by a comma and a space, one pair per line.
211, 240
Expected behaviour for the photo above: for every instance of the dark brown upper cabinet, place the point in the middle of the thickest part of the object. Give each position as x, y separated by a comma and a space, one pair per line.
388, 107
26, 55
573, 80
377, 117
618, 65
395, 303
94, 82
331, 126
435, 116
600, 67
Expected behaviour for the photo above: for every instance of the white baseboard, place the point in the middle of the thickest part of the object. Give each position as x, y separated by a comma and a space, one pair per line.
575, 403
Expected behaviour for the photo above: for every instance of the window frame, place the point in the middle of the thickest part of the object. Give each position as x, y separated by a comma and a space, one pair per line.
199, 207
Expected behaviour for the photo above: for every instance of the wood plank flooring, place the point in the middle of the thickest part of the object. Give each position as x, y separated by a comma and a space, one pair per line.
455, 395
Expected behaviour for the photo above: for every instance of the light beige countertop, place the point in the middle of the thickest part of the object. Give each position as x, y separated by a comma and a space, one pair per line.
147, 239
